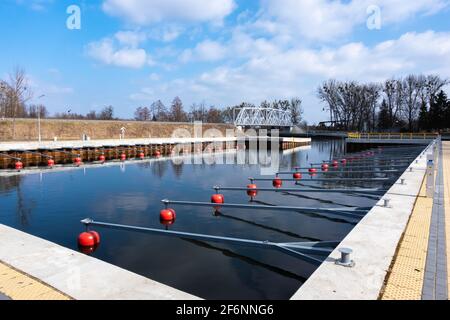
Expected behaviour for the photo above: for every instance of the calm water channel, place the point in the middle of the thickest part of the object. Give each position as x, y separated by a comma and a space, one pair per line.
51, 205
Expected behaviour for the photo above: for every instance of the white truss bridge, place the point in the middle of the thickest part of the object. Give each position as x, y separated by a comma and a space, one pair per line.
262, 117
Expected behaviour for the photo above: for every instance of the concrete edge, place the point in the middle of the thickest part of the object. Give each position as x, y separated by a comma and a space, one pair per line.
51, 145
374, 241
77, 275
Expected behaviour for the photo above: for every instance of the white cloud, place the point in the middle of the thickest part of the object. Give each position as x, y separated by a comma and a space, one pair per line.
330, 19
145, 12
130, 38
106, 52
166, 32
36, 5
271, 74
204, 51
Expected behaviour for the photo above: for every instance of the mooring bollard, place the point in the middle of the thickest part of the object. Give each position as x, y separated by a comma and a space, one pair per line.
345, 260
386, 202
410, 169
402, 181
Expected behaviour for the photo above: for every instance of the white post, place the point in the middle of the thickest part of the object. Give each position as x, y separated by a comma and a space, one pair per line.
430, 176
39, 124
39, 118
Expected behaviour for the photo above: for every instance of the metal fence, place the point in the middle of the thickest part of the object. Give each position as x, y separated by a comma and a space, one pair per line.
388, 135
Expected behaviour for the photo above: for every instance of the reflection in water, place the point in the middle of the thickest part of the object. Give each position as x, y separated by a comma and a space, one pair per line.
10, 183
248, 260
285, 232
177, 169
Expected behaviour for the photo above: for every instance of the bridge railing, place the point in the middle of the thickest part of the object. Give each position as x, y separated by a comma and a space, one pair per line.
254, 117
389, 136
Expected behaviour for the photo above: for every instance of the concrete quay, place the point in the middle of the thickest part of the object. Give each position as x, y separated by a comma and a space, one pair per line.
374, 242
51, 271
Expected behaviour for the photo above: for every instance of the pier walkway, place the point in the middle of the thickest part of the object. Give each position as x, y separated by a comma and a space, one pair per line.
446, 165
16, 285
420, 268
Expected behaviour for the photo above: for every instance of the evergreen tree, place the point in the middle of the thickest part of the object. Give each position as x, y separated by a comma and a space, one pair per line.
438, 107
423, 117
384, 121
446, 118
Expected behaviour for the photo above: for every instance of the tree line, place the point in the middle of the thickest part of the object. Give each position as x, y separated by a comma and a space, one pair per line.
15, 95
408, 103
411, 103
200, 112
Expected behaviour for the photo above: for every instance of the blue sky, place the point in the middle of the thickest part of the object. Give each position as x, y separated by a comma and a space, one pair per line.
129, 53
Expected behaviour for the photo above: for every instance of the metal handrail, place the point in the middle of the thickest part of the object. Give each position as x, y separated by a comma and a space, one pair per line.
389, 135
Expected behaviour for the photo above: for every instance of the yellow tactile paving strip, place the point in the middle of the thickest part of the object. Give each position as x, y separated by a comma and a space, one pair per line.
446, 164
19, 286
405, 280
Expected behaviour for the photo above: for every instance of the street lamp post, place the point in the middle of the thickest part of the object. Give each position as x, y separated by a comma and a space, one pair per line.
39, 119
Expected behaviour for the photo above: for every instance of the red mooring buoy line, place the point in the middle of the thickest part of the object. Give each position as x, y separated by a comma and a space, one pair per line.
167, 216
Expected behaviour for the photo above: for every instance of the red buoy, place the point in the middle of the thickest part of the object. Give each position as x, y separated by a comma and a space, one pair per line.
297, 175
218, 198
252, 192
96, 236
141, 155
102, 158
77, 161
166, 223
50, 163
312, 170
86, 239
123, 157
325, 167
87, 250
167, 215
158, 153
335, 164
277, 183
344, 161
18, 165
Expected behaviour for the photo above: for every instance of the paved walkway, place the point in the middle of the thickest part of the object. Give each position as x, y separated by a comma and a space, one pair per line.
446, 164
407, 274
16, 285
420, 268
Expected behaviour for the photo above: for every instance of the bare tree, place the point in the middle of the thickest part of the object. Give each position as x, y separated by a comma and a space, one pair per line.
227, 115
142, 114
198, 112
16, 93
411, 92
328, 93
107, 113
214, 115
352, 106
91, 115
33, 111
159, 111
177, 113
296, 110
394, 97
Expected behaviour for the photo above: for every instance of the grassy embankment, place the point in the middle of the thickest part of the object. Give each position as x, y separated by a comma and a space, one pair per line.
27, 129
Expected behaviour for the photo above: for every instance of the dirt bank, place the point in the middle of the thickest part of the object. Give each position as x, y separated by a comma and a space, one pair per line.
27, 129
